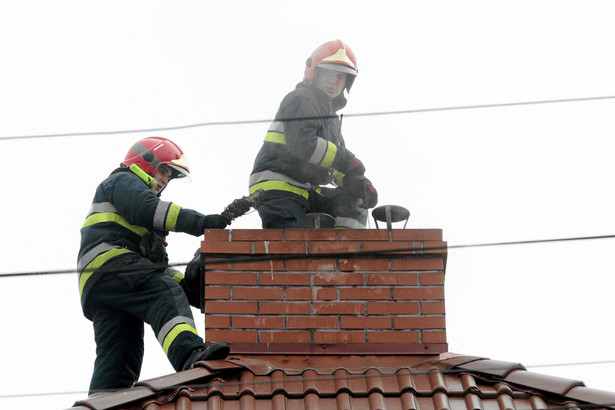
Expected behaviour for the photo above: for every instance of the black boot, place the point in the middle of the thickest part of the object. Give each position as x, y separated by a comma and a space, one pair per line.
216, 351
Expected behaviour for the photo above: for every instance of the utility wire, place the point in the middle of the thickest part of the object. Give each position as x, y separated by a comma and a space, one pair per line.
389, 253
369, 114
350, 376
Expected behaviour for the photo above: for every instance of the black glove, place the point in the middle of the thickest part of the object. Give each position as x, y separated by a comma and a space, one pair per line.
356, 169
191, 282
216, 221
362, 188
153, 245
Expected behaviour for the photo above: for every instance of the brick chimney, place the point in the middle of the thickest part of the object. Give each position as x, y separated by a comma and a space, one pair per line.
325, 291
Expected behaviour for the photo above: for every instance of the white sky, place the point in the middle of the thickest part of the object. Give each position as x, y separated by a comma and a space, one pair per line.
481, 175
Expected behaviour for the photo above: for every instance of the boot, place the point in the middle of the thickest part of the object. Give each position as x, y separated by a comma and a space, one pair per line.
216, 351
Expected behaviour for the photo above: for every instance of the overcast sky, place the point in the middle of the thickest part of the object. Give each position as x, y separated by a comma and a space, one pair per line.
483, 175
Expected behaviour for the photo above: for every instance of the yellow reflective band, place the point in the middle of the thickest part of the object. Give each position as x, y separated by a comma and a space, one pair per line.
97, 263
170, 337
329, 155
178, 277
113, 217
275, 137
172, 215
280, 186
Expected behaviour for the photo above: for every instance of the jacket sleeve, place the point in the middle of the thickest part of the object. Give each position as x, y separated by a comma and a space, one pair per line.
138, 204
303, 141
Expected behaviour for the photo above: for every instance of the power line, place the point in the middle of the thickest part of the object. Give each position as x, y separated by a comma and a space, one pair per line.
369, 114
390, 253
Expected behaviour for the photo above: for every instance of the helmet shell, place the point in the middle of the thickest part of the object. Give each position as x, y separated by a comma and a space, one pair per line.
333, 55
151, 152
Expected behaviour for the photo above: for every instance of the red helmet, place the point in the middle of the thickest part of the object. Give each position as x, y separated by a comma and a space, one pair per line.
333, 55
149, 153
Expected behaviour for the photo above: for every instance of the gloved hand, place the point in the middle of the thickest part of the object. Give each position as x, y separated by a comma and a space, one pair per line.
216, 221
362, 188
357, 168
153, 245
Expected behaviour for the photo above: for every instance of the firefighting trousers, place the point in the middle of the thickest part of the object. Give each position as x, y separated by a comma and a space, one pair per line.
286, 210
118, 305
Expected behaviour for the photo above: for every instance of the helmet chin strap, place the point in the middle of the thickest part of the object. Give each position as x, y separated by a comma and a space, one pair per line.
147, 178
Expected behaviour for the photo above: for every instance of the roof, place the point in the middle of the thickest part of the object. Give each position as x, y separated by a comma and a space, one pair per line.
359, 382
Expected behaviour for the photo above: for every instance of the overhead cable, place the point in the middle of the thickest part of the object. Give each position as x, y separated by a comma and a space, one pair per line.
422, 252
243, 122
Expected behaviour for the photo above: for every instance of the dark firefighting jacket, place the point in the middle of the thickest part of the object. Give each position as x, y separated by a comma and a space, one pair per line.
303, 147
123, 212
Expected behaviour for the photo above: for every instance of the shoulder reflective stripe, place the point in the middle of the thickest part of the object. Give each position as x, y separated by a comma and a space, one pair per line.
281, 186
102, 207
275, 176
161, 215
172, 328
329, 156
113, 217
97, 263
172, 216
320, 151
275, 137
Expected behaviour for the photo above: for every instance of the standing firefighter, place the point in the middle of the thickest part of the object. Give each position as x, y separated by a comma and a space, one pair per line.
123, 278
304, 150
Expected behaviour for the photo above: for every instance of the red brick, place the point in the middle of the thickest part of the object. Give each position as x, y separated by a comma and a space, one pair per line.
227, 278
309, 294
258, 322
216, 235
421, 293
339, 308
217, 292
219, 247
432, 308
315, 247
339, 337
392, 279
311, 234
431, 278
284, 279
366, 322
397, 248
285, 336
220, 266
231, 336
279, 247
261, 265
311, 322
257, 293
350, 265
363, 234
230, 307
365, 294
217, 322
417, 264
338, 279
434, 337
311, 265
392, 308
420, 322
416, 234
284, 308
393, 337
257, 235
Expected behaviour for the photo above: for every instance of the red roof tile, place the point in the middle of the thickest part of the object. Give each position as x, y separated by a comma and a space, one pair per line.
363, 382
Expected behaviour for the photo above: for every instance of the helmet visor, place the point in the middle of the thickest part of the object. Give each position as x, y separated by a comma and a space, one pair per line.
338, 67
179, 172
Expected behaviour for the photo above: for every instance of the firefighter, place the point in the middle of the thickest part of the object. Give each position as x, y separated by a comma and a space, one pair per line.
304, 150
123, 280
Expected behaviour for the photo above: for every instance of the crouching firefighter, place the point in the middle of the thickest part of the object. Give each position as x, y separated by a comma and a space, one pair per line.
124, 280
304, 151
